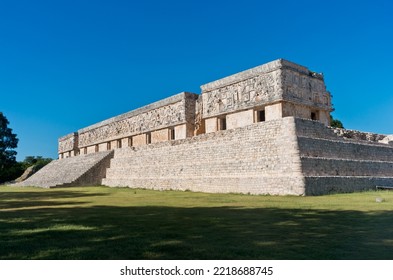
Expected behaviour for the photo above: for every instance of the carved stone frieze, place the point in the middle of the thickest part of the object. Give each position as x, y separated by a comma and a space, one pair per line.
165, 116
68, 143
301, 91
198, 113
306, 89
244, 94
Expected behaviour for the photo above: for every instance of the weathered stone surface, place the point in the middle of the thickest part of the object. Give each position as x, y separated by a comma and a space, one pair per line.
261, 131
332, 163
387, 140
281, 157
359, 135
276, 81
68, 143
280, 88
74, 171
168, 112
261, 159
28, 172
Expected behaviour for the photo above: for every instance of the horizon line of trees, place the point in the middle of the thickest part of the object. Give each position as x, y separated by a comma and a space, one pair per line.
10, 168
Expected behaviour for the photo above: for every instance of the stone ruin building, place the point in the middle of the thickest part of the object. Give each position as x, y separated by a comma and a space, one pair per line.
261, 131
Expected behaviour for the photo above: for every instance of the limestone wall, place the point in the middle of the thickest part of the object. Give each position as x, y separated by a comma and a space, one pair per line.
316, 129
173, 111
333, 163
161, 135
313, 166
277, 81
261, 159
278, 89
334, 149
360, 135
246, 93
283, 156
240, 119
305, 88
313, 129
68, 144
254, 135
321, 185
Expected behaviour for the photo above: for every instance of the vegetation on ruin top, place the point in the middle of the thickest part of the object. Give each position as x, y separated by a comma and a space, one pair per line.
122, 223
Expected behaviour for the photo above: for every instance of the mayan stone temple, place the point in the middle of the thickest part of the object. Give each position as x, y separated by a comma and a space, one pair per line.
261, 131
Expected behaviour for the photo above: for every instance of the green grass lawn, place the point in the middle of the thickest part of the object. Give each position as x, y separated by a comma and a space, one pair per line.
122, 223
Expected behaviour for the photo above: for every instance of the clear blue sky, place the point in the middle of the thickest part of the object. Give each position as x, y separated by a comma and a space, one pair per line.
68, 64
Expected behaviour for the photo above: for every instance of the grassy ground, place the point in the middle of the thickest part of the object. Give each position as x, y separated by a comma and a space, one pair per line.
114, 223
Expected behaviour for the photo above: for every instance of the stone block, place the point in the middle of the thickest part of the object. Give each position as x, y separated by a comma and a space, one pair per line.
240, 119
139, 140
211, 125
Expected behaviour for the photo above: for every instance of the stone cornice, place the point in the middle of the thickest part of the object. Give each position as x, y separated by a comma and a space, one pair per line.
262, 69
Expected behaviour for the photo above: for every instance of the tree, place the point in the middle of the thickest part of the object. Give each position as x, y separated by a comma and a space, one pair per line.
8, 142
335, 123
38, 161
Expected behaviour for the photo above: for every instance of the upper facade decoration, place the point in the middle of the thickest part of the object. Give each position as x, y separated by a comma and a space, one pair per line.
276, 81
280, 87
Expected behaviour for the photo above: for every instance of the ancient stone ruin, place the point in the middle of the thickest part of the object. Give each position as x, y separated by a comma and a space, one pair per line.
262, 131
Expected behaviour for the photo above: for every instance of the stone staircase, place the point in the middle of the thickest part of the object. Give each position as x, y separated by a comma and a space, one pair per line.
335, 164
74, 171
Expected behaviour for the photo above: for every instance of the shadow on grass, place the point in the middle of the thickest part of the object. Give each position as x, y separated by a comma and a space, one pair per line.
109, 232
35, 199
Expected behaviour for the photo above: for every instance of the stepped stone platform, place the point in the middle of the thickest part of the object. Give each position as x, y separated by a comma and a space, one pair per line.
333, 164
257, 159
83, 170
264, 130
287, 156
